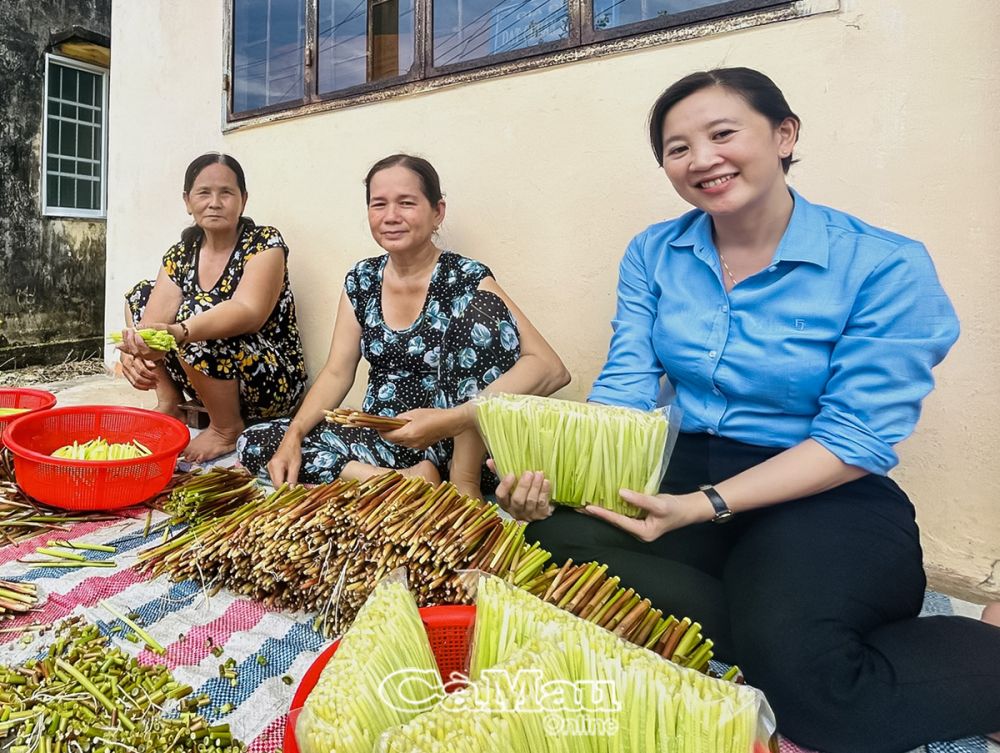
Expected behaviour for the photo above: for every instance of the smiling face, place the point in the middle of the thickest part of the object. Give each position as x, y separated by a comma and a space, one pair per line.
723, 156
215, 200
400, 216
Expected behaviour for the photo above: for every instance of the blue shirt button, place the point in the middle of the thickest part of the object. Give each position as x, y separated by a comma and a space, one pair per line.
725, 309
712, 432
715, 391
711, 354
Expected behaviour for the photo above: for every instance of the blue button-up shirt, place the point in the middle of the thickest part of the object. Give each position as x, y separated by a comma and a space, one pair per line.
834, 340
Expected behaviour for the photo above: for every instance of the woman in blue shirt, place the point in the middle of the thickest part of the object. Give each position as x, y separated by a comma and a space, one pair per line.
800, 342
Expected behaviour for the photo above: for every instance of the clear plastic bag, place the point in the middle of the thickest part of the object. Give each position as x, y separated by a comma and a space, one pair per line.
382, 675
558, 684
587, 451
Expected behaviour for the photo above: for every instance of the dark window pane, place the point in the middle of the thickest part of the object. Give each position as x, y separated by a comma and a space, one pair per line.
87, 88
85, 139
85, 114
470, 29
52, 191
70, 79
84, 198
268, 52
611, 13
67, 139
54, 73
70, 111
52, 147
52, 163
99, 91
67, 192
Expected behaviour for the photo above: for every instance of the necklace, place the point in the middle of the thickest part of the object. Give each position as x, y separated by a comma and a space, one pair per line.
726, 267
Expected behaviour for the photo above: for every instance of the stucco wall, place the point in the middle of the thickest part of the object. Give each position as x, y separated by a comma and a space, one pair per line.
51, 269
548, 175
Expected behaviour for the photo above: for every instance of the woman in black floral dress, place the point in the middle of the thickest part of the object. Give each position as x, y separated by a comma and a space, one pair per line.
223, 294
436, 330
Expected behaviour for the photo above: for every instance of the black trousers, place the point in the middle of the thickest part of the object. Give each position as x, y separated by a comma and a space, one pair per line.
817, 601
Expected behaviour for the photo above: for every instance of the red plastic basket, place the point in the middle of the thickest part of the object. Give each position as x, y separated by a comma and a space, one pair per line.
22, 397
95, 484
449, 631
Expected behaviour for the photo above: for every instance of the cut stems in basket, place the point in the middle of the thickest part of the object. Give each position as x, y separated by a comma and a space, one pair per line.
361, 420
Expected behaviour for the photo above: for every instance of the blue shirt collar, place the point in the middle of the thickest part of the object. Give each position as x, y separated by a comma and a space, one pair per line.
805, 238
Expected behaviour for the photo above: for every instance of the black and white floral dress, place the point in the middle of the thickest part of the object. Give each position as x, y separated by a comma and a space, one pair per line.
268, 363
462, 340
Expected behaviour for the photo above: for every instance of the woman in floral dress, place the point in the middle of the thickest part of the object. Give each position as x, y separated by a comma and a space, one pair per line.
436, 330
223, 294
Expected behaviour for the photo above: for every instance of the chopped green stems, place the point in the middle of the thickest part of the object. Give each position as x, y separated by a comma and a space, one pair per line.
69, 563
82, 545
622, 697
155, 646
54, 552
351, 705
587, 451
83, 694
155, 339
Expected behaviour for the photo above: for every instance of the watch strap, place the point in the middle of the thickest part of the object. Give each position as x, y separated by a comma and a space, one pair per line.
722, 511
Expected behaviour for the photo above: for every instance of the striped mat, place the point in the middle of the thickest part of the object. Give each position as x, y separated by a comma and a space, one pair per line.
188, 623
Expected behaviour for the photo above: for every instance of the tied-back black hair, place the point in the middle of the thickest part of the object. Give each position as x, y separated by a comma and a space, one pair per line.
193, 235
760, 92
430, 183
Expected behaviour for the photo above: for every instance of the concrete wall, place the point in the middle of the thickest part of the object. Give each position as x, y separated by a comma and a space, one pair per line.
548, 175
51, 269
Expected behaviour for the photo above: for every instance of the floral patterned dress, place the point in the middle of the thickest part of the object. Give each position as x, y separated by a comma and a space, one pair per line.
462, 340
268, 363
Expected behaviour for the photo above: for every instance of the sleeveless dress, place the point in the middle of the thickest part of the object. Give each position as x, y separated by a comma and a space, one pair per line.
268, 363
462, 340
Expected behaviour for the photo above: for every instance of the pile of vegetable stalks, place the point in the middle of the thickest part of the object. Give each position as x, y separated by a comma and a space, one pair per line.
16, 598
351, 704
324, 549
84, 694
155, 339
22, 519
588, 452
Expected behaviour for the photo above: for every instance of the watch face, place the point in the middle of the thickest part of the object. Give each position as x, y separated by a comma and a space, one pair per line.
723, 517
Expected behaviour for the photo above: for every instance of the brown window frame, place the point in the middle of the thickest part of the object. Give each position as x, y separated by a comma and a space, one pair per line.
582, 42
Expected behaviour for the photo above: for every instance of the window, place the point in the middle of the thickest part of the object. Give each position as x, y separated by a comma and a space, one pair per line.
289, 53
75, 141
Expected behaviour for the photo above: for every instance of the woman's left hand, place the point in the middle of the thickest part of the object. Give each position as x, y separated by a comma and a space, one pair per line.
133, 344
664, 512
425, 427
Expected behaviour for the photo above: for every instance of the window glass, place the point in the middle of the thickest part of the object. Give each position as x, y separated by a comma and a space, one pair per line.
469, 29
611, 13
74, 149
268, 52
362, 41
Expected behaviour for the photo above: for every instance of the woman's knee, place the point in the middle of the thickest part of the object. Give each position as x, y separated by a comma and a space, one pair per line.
257, 444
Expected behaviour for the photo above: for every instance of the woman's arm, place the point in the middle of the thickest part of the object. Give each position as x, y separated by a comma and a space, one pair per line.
332, 384
539, 371
252, 302
803, 470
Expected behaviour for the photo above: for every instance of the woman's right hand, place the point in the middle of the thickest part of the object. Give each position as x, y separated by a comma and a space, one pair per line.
140, 373
526, 498
283, 467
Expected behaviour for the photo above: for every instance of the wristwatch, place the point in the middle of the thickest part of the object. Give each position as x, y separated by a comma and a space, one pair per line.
722, 512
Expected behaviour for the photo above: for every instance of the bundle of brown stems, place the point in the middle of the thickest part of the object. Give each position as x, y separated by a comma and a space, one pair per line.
21, 518
6, 464
361, 420
16, 598
324, 549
